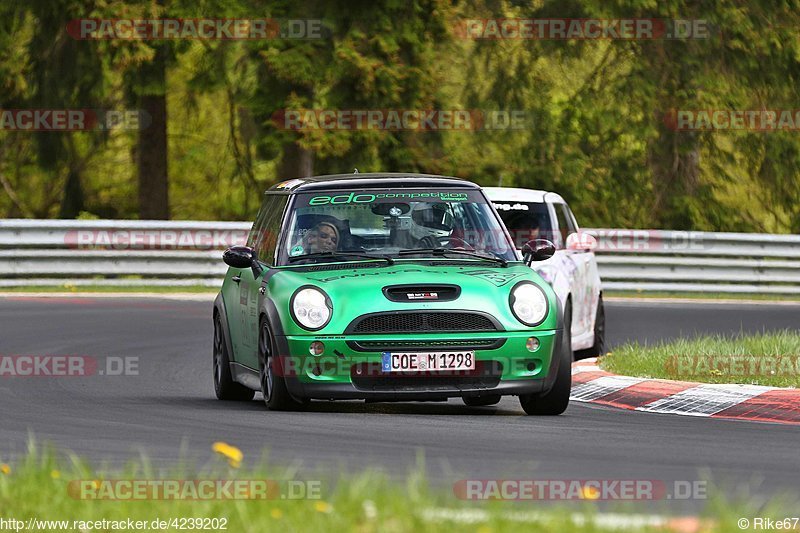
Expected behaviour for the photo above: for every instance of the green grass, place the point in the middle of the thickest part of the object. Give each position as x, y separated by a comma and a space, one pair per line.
771, 359
37, 486
703, 295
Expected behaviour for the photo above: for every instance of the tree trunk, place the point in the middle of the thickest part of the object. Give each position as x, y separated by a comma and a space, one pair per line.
72, 202
296, 162
152, 142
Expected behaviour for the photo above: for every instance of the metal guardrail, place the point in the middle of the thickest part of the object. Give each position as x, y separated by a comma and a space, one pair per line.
175, 253
115, 252
691, 261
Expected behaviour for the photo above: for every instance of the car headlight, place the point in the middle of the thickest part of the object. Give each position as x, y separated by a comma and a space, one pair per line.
528, 303
311, 308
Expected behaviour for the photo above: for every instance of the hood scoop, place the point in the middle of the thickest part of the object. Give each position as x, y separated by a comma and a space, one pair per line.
414, 293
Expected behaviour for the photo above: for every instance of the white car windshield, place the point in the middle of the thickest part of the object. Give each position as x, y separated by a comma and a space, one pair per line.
394, 223
527, 221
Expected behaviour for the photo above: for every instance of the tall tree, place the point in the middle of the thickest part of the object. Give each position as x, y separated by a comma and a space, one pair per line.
64, 73
146, 87
151, 150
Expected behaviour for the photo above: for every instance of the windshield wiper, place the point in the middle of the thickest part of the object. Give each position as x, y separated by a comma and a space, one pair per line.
386, 258
444, 251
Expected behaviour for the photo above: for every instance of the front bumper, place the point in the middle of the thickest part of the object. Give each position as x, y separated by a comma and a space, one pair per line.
350, 366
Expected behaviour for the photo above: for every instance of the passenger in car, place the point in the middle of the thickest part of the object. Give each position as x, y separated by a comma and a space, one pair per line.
324, 237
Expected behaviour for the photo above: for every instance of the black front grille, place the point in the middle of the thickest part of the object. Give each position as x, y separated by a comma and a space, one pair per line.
413, 346
370, 377
339, 266
418, 321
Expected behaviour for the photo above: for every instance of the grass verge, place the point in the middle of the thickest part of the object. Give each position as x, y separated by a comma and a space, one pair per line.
766, 297
771, 359
39, 486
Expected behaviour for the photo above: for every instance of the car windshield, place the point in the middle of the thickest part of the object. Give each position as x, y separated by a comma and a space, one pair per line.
526, 221
393, 223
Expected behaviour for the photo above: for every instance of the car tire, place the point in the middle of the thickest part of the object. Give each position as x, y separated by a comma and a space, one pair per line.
224, 386
555, 401
481, 401
273, 382
599, 346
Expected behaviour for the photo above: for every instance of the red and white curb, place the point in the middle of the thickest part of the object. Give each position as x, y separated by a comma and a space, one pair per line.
743, 402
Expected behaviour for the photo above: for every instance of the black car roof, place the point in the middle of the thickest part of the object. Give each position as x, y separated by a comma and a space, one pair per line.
371, 181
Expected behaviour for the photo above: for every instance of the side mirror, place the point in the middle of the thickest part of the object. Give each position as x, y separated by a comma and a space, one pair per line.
537, 250
581, 242
239, 257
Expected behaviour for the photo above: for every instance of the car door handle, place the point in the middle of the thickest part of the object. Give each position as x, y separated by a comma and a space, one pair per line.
236, 279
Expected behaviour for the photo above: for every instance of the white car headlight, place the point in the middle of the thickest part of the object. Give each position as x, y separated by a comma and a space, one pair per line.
528, 303
311, 308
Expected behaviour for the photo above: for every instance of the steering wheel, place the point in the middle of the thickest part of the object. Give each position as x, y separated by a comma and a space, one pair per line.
430, 241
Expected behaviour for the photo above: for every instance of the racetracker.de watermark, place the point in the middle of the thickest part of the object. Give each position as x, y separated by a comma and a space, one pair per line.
685, 366
124, 524
194, 489
73, 119
207, 29
569, 29
154, 239
733, 119
401, 119
580, 489
636, 240
37, 366
610, 240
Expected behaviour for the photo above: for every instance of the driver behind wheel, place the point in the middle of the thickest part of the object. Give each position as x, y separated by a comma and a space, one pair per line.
432, 224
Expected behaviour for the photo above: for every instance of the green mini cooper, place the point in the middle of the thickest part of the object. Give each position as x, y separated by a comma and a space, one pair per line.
388, 287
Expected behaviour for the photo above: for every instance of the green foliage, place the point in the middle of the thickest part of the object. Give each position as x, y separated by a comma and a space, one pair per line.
52, 486
595, 127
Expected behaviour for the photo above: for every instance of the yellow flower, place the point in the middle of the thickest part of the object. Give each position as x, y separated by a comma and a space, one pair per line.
276, 513
484, 529
232, 453
4, 468
323, 507
55, 474
590, 493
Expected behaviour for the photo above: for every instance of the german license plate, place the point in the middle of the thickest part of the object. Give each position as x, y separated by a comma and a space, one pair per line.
422, 362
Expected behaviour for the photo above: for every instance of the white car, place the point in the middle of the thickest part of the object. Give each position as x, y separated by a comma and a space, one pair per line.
572, 271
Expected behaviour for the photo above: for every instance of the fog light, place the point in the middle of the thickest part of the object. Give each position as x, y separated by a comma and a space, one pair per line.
532, 344
316, 348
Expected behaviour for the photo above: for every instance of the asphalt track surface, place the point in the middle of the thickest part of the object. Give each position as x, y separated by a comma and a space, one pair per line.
169, 411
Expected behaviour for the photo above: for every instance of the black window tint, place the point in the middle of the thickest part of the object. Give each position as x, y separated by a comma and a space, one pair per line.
267, 227
525, 221
571, 217
255, 229
565, 225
